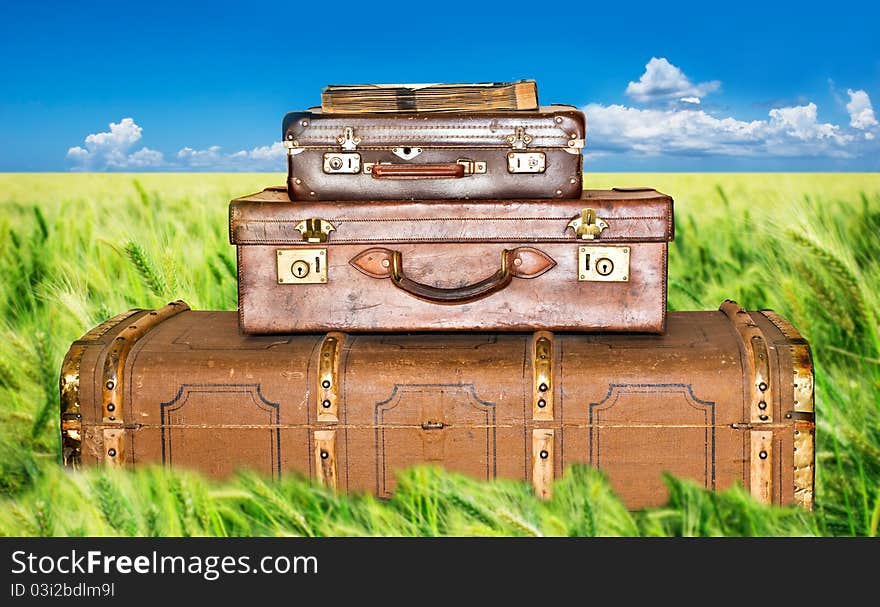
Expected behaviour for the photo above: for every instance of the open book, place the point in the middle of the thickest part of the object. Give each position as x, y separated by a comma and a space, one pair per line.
481, 96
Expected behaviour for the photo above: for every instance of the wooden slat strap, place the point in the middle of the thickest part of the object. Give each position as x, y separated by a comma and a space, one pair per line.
761, 475
804, 409
542, 462
542, 376
760, 389
69, 385
113, 379
325, 457
328, 377
542, 411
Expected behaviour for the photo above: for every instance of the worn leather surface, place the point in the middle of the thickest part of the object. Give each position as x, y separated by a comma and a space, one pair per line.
201, 395
452, 245
443, 138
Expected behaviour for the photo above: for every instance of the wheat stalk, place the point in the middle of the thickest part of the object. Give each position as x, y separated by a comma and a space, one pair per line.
146, 268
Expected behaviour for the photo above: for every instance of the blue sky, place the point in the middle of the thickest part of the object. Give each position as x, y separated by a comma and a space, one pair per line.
684, 86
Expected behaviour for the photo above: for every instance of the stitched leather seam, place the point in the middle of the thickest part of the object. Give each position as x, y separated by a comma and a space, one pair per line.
430, 127
478, 239
455, 219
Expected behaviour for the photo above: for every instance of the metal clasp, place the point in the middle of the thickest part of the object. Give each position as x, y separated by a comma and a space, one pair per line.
520, 139
472, 167
587, 225
315, 229
347, 140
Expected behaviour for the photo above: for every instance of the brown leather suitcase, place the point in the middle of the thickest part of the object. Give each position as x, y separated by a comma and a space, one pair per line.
597, 262
722, 398
380, 156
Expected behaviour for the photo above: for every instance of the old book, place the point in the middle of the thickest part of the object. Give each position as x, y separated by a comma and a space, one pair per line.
722, 398
481, 96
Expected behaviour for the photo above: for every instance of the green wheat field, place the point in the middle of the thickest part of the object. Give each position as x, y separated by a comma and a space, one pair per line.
76, 249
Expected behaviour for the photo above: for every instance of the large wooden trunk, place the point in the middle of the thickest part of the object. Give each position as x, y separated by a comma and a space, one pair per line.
722, 397
594, 263
435, 155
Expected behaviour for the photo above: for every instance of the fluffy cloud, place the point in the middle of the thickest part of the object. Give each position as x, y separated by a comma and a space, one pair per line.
110, 150
790, 131
861, 112
681, 127
664, 82
261, 158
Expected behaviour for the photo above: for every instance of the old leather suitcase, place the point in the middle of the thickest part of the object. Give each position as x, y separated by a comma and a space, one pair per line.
597, 262
722, 398
492, 154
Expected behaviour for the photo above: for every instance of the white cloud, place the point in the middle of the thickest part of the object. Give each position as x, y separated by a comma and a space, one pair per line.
861, 112
110, 150
145, 158
663, 81
261, 158
787, 132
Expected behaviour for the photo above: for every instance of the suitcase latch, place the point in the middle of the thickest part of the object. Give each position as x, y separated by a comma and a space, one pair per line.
315, 229
347, 140
520, 139
603, 264
587, 225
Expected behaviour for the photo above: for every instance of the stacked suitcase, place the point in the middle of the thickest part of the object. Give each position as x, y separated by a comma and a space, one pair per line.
436, 287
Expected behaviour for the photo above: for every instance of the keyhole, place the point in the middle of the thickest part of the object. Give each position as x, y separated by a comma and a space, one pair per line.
604, 266
300, 268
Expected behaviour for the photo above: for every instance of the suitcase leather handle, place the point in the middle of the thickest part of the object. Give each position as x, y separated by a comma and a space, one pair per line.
451, 170
522, 262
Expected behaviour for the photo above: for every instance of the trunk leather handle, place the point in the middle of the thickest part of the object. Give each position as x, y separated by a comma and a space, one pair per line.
522, 262
451, 170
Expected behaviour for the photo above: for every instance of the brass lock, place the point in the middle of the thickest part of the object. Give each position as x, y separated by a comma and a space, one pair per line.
301, 266
342, 163
526, 162
603, 264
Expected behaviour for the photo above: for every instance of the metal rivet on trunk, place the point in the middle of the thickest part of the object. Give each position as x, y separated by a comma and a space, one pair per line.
763, 455
762, 386
544, 454
111, 407
542, 403
110, 384
762, 405
763, 418
542, 387
325, 384
326, 404
111, 452
324, 454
